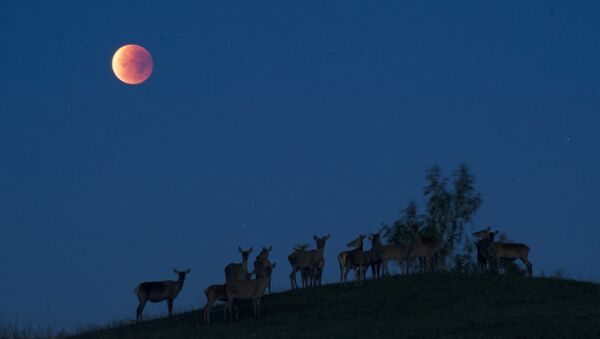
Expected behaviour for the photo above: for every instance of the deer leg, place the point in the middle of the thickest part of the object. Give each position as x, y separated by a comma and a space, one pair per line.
527, 263
227, 309
318, 275
321, 276
303, 277
269, 286
206, 313
293, 278
140, 309
258, 308
207, 309
361, 275
170, 306
495, 264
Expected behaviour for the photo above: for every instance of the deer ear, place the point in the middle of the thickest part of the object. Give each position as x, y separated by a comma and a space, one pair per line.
250, 249
327, 236
240, 249
176, 271
188, 270
270, 248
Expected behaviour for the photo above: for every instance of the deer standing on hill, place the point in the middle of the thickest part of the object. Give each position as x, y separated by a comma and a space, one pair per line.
234, 271
425, 248
392, 252
262, 263
247, 289
483, 246
353, 259
213, 294
374, 257
506, 250
304, 273
156, 291
310, 263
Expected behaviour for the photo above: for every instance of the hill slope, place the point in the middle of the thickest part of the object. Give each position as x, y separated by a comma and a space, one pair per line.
431, 305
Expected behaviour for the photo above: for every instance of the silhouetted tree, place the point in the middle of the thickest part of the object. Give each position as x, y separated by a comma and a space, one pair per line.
438, 209
447, 211
465, 202
402, 231
446, 214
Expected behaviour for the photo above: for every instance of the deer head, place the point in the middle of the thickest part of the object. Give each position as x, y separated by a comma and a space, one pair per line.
321, 241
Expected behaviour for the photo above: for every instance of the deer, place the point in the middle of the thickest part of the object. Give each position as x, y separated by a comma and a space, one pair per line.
213, 294
342, 258
508, 251
235, 271
392, 252
483, 246
317, 274
304, 273
372, 257
310, 263
157, 291
425, 247
247, 289
353, 259
261, 263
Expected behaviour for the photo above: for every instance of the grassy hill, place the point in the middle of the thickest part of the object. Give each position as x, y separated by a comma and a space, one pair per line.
430, 305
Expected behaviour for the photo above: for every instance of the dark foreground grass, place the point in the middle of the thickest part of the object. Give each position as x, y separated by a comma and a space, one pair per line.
416, 306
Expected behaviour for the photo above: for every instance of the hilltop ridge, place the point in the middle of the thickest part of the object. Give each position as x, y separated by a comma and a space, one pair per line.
448, 305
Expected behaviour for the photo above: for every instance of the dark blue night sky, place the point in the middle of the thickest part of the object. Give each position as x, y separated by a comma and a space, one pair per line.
264, 123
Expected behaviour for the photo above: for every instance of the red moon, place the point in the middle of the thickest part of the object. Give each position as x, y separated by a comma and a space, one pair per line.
132, 64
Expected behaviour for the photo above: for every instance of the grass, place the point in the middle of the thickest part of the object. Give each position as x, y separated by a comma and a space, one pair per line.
13, 330
416, 306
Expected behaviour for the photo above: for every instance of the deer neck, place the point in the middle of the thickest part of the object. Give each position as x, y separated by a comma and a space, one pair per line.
245, 266
179, 285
